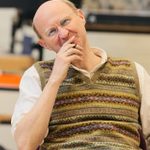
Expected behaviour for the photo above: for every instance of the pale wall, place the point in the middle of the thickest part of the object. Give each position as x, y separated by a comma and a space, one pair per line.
129, 45
133, 46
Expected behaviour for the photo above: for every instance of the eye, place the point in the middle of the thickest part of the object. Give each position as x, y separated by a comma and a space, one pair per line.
65, 21
52, 32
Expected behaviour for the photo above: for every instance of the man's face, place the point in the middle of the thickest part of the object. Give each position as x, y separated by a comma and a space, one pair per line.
58, 23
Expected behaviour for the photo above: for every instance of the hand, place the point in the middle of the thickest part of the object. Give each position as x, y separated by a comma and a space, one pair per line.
67, 54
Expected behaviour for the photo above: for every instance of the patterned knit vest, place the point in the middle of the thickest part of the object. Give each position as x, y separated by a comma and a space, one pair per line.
101, 113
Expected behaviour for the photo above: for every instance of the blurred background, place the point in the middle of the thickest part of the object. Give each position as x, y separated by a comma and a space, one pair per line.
121, 27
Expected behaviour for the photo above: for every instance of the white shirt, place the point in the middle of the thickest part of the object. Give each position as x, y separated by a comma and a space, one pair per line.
30, 91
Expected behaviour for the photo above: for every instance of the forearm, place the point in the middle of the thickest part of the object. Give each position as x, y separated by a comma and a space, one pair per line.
31, 129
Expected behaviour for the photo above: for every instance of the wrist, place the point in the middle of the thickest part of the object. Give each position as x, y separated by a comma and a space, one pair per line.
54, 82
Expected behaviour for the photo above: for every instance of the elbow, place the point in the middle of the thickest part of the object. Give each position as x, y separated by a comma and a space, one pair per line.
23, 147
25, 144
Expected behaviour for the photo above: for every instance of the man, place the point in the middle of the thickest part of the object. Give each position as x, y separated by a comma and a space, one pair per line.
82, 99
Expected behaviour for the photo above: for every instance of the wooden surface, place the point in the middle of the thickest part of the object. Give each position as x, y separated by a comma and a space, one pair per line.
15, 63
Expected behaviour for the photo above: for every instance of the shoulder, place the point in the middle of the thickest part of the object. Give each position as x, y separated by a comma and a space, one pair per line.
29, 77
140, 69
118, 61
44, 64
143, 75
30, 72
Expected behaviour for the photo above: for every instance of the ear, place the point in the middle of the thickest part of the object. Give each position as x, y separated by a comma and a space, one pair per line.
81, 15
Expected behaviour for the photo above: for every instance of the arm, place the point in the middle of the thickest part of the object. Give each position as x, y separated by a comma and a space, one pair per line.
31, 129
144, 79
35, 122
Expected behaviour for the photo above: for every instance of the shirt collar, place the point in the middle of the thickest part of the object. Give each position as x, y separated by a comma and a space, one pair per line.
99, 52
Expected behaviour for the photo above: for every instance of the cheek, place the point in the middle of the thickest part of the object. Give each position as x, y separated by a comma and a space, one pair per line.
55, 46
50, 43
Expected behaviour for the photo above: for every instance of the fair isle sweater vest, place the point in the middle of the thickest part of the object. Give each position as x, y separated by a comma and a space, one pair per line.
101, 113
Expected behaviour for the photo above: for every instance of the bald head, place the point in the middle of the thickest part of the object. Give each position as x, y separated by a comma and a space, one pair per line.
46, 6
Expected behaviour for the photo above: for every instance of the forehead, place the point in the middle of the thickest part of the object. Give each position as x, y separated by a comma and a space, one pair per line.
51, 10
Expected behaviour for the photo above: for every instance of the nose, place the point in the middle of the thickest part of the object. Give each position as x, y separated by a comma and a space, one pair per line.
62, 32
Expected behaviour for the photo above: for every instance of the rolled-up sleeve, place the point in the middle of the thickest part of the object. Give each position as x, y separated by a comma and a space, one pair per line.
29, 93
144, 79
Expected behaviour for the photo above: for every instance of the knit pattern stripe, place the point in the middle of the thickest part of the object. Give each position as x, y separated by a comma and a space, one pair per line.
97, 113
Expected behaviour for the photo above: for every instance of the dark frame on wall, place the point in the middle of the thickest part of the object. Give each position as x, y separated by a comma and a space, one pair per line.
117, 15
101, 15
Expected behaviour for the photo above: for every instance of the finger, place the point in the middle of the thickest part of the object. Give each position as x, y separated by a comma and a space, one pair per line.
78, 47
70, 40
73, 51
74, 58
66, 47
69, 46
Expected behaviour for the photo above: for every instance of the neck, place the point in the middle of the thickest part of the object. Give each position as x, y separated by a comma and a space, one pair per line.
90, 60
